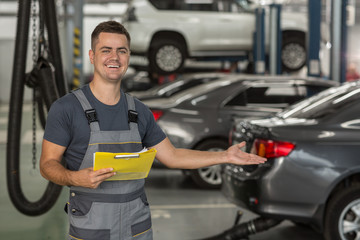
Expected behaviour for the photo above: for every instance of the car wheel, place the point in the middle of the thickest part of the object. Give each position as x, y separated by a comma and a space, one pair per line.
167, 56
293, 52
343, 214
209, 177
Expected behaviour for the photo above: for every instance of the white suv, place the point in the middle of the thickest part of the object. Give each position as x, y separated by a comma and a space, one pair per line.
170, 31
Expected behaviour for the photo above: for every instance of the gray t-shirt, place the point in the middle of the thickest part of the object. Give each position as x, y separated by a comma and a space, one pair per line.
67, 125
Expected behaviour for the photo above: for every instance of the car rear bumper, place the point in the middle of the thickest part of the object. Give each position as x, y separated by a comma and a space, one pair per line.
269, 191
240, 187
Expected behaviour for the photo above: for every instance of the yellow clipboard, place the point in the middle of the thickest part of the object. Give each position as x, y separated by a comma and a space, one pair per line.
128, 166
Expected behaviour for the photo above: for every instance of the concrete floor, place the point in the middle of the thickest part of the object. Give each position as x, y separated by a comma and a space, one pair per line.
180, 211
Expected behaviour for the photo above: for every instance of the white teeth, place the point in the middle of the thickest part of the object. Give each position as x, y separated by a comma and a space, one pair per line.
113, 66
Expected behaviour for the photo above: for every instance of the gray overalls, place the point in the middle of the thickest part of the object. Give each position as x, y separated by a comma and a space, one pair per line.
116, 209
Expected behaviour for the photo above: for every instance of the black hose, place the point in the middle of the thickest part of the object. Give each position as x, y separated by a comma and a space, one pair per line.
245, 229
42, 112
16, 194
54, 44
47, 82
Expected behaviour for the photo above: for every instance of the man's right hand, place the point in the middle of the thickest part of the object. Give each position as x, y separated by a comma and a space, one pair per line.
89, 178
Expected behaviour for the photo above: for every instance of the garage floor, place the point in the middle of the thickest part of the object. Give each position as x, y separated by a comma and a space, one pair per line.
180, 211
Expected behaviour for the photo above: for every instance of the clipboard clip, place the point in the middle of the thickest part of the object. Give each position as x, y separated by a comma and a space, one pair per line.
126, 156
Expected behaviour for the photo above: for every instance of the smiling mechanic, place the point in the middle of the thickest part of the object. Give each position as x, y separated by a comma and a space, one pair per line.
101, 117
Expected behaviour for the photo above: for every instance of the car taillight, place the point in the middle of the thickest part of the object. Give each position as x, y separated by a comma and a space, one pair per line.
157, 114
273, 149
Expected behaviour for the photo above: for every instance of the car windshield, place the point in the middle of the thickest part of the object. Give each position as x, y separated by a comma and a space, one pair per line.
182, 85
323, 103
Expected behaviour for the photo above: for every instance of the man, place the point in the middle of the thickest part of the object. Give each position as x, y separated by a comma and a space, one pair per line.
100, 117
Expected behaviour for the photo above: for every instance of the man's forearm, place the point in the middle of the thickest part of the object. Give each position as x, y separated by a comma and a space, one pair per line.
193, 159
53, 171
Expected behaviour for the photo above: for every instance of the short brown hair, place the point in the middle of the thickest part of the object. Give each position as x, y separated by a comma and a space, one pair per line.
108, 27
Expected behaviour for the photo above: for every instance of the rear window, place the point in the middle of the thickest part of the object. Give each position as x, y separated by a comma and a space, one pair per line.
324, 103
181, 85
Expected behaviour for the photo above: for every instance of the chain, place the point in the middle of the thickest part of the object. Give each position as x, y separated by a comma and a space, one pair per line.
34, 130
34, 36
34, 58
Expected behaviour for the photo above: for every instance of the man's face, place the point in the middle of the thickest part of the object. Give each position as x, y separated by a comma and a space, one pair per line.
110, 56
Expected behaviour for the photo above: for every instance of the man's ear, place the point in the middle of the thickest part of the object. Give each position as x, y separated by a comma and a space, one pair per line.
91, 56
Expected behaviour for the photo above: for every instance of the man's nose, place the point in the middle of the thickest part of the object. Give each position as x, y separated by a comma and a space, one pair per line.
114, 54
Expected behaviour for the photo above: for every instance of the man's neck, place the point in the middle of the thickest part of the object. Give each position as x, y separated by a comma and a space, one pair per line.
107, 93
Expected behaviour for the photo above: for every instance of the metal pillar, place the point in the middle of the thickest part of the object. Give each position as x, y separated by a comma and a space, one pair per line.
313, 38
275, 39
344, 39
74, 27
338, 40
259, 41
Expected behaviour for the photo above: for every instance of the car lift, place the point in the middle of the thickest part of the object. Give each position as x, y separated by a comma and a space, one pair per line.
48, 83
338, 40
313, 39
259, 42
275, 41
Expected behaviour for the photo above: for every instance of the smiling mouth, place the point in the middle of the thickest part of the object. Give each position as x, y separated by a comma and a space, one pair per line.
113, 66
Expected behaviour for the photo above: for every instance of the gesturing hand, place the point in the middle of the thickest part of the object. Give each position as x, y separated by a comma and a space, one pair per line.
89, 178
236, 156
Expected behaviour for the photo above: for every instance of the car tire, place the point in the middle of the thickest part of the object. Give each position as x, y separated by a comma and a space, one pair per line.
209, 177
167, 56
343, 212
293, 52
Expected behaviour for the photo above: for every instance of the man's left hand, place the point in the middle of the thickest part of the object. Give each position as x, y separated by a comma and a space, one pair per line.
235, 155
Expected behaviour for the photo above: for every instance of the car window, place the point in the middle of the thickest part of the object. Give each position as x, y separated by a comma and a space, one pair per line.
186, 5
311, 90
201, 5
268, 95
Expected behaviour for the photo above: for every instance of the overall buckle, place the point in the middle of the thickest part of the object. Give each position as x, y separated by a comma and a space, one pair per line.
133, 116
91, 115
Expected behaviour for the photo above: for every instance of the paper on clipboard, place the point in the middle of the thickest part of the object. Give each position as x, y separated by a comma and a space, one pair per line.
128, 166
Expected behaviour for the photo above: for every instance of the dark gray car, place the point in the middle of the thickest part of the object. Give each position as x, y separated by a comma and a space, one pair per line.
200, 117
312, 175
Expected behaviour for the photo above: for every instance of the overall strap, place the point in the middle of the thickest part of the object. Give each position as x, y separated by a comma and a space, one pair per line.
88, 109
132, 113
